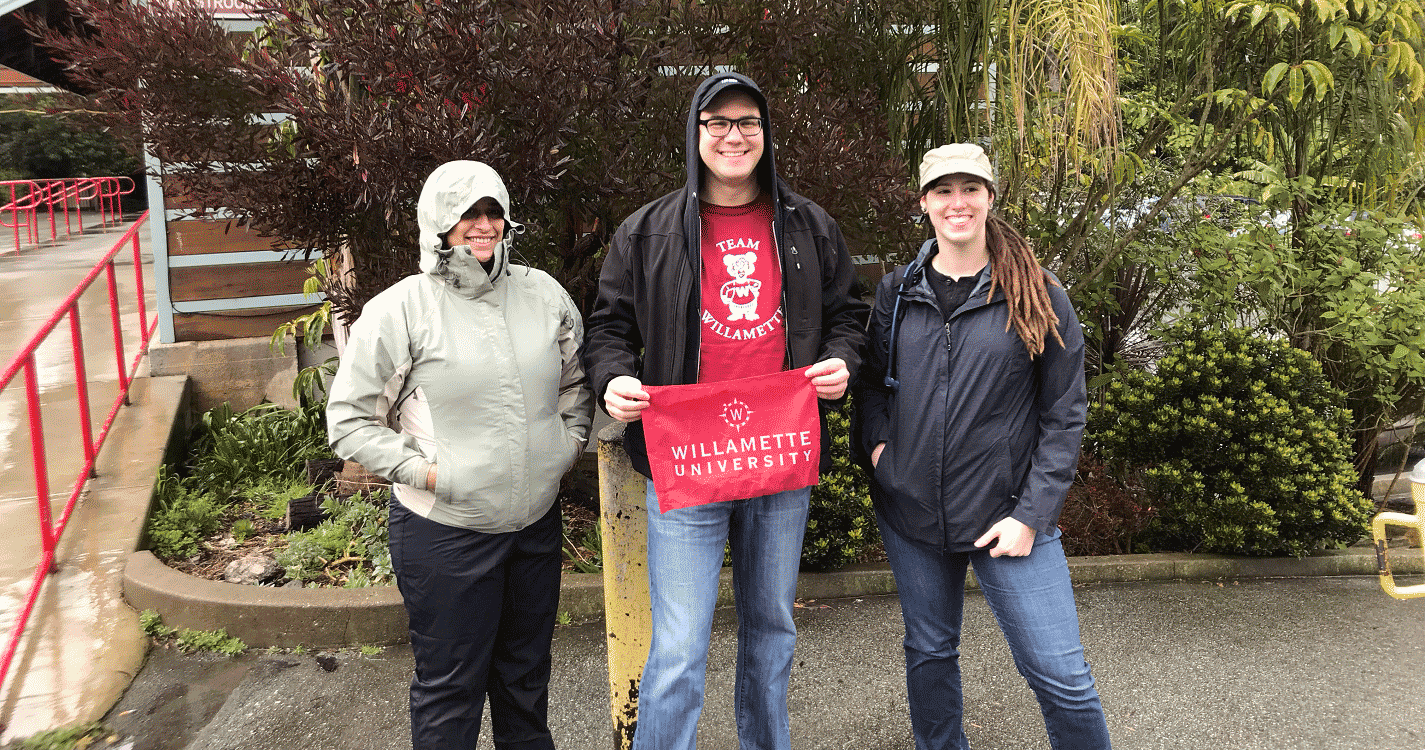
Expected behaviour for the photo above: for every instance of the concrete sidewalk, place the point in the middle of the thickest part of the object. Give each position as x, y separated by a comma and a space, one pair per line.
1326, 663
83, 644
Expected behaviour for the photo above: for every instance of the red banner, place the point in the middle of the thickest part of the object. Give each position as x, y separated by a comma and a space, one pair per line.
733, 439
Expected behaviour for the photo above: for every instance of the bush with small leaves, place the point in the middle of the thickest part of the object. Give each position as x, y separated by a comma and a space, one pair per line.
1241, 442
842, 522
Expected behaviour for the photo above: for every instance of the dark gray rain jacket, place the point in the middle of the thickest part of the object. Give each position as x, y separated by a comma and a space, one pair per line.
976, 430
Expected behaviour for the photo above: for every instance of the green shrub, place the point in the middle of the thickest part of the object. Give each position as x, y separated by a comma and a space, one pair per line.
185, 516
1241, 442
258, 455
231, 451
842, 523
337, 550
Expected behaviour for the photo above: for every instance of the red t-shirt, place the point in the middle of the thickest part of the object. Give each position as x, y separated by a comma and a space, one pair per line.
743, 329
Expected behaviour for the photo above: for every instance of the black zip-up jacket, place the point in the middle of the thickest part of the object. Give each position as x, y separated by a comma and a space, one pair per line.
975, 429
645, 319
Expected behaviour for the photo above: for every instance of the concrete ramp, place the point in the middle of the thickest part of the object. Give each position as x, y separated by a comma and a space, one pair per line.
83, 645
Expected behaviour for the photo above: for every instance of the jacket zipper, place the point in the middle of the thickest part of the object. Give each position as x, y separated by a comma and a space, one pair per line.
944, 433
915, 294
696, 291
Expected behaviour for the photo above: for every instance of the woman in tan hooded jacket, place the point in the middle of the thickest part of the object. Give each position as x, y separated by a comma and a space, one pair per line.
462, 385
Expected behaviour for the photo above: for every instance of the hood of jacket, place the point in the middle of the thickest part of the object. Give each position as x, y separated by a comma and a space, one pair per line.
702, 97
766, 168
450, 191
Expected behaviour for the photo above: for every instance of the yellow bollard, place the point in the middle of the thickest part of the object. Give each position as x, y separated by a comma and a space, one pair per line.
1417, 522
623, 524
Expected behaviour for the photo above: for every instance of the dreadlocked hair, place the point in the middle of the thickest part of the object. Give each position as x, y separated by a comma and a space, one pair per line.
1015, 270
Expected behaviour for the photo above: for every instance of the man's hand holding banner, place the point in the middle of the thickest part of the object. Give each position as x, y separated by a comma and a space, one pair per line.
733, 439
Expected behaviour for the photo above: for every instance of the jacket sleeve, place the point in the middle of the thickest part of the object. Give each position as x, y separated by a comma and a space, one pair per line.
871, 398
1062, 403
612, 340
576, 401
368, 379
843, 314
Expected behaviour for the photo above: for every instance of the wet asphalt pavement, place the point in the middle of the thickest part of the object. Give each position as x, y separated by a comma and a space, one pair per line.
1278, 664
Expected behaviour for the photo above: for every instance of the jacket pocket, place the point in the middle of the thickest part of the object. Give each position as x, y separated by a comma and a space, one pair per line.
470, 478
882, 470
576, 448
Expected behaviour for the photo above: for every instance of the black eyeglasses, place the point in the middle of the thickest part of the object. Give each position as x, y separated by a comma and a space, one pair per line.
721, 126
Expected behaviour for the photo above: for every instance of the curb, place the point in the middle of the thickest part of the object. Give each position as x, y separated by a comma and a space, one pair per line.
264, 616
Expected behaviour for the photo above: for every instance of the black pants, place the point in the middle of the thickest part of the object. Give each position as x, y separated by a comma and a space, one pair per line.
482, 609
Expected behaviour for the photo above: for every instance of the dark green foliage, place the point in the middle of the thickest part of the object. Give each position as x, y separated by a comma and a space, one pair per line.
267, 441
248, 464
842, 523
40, 140
184, 517
1241, 442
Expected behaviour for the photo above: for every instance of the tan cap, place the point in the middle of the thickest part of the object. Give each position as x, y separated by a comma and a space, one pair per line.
956, 158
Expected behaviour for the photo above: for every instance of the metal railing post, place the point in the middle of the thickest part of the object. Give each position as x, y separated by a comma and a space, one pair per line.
81, 388
15, 214
37, 454
623, 525
118, 328
1416, 522
138, 287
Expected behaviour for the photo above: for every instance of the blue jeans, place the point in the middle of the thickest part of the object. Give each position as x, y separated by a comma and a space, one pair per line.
685, 551
1033, 601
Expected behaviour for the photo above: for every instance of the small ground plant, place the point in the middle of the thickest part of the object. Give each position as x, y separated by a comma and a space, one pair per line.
188, 640
64, 738
1241, 442
231, 451
241, 472
349, 549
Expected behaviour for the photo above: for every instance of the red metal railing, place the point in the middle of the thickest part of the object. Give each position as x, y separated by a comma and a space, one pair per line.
51, 532
31, 204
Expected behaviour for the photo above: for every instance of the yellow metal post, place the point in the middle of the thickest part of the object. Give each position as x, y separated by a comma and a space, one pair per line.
1416, 521
623, 524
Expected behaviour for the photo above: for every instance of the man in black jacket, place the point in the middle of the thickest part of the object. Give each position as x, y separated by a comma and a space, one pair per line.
732, 276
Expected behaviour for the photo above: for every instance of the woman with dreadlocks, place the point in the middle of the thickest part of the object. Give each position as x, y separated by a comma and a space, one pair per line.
970, 408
